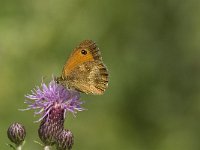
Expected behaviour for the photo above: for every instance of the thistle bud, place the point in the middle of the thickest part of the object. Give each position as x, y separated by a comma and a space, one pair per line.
16, 133
65, 140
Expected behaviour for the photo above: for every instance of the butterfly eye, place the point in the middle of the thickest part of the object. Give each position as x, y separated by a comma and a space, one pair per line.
84, 52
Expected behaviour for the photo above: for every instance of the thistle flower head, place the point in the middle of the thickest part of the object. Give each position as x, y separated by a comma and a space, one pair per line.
51, 126
43, 99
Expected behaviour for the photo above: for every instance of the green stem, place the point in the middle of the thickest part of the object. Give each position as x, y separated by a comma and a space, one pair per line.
19, 148
46, 148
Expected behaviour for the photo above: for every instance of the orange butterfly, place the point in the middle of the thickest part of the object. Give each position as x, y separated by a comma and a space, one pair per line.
84, 70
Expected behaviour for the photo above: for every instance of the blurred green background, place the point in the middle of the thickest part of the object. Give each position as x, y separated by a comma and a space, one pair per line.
152, 51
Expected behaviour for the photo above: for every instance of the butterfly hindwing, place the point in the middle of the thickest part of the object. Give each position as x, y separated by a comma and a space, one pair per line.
89, 77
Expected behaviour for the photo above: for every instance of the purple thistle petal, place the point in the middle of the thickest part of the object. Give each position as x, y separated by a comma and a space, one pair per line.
43, 98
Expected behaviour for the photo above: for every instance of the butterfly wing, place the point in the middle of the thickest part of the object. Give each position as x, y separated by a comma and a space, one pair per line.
89, 77
84, 70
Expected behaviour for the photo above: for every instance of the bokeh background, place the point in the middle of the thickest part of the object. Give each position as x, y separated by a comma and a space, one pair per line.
152, 51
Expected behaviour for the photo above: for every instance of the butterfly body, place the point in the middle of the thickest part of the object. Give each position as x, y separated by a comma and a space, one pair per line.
84, 70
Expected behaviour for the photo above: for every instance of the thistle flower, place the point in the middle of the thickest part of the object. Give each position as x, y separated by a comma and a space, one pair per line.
53, 101
65, 140
16, 133
45, 97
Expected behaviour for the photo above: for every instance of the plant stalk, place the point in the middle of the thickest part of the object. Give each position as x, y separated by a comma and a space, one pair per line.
19, 148
47, 148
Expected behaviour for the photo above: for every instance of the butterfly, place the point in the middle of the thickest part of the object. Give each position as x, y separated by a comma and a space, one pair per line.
85, 71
